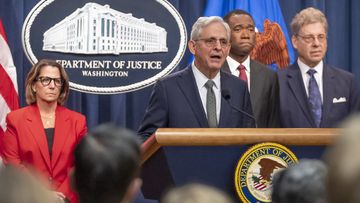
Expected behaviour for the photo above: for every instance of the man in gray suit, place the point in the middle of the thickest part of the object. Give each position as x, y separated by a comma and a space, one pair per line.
262, 81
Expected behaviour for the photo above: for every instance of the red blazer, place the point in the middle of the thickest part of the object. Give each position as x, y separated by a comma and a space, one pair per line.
25, 144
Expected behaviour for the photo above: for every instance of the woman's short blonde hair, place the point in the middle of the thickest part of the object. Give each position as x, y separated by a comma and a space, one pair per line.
33, 75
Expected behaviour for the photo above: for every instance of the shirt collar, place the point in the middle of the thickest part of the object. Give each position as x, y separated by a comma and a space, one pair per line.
233, 64
201, 79
304, 68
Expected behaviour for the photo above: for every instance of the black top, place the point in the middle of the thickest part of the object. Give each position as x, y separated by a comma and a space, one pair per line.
50, 138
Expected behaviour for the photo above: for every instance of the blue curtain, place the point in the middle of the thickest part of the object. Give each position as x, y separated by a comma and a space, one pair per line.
128, 109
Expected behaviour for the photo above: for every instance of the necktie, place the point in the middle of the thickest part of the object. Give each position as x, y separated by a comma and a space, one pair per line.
211, 104
314, 98
242, 74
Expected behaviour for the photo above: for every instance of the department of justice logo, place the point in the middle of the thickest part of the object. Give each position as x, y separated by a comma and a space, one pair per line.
107, 46
255, 169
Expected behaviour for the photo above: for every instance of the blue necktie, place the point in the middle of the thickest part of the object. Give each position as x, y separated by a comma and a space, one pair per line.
314, 98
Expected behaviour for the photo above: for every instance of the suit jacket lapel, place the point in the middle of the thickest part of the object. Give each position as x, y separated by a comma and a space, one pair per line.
36, 130
255, 78
296, 84
187, 84
61, 133
328, 76
225, 110
225, 67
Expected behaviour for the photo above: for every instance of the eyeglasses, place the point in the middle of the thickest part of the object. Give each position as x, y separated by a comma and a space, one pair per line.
47, 80
212, 42
311, 38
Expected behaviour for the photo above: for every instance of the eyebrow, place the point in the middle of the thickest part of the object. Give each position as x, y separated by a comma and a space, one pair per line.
303, 34
47, 76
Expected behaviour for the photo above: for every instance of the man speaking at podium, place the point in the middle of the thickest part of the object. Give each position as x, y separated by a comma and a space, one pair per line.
201, 95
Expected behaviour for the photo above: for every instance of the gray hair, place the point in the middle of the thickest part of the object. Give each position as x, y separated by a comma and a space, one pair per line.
304, 182
202, 22
308, 16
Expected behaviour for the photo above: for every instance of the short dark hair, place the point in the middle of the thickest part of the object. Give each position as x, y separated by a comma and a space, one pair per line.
106, 161
237, 12
304, 182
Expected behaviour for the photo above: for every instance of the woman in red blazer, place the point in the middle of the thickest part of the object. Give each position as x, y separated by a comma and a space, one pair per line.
43, 135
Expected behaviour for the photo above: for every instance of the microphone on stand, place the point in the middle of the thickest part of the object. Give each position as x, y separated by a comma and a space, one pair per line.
225, 93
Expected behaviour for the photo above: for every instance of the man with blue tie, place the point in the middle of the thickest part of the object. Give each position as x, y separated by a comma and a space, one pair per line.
201, 95
314, 94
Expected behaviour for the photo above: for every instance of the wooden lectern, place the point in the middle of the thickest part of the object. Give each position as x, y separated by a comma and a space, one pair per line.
176, 156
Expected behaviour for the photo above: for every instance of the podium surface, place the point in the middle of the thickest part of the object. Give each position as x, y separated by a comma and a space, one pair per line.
176, 156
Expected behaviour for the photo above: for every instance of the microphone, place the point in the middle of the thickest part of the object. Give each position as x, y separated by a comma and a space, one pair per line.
225, 93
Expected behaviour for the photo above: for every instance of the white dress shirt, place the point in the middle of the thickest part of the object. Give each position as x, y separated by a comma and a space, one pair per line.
306, 77
200, 80
233, 66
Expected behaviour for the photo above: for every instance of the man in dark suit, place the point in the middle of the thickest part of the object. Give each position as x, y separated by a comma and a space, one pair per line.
200, 96
262, 81
313, 94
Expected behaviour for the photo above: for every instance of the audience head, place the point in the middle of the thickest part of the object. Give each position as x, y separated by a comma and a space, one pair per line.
107, 162
196, 193
309, 38
344, 166
38, 78
301, 183
243, 35
19, 187
209, 44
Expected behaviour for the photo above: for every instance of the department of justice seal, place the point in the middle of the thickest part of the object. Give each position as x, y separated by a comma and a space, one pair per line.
255, 169
107, 46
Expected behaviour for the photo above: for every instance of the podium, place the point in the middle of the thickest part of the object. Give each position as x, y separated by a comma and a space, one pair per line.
176, 156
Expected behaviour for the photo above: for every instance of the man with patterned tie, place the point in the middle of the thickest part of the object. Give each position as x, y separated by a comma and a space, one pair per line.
312, 93
261, 80
201, 95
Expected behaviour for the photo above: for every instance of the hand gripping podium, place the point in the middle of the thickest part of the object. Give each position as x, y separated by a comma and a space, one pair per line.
176, 156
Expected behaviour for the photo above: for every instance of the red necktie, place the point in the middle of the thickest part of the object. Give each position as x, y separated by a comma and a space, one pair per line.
242, 74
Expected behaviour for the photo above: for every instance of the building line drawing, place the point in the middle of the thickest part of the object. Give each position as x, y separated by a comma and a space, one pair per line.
97, 29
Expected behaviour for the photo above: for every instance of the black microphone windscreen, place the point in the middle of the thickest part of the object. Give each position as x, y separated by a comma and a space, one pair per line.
226, 94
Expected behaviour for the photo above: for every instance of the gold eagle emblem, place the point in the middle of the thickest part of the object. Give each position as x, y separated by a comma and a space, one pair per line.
271, 46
